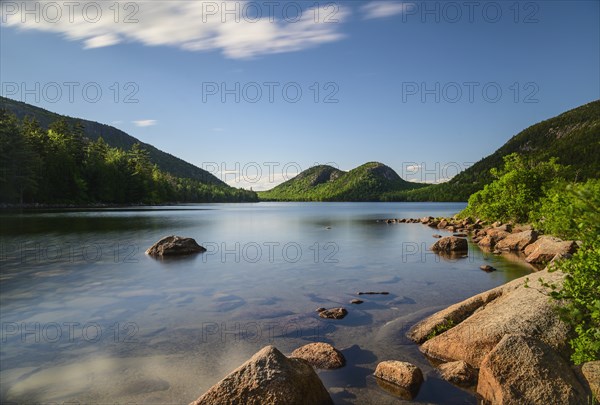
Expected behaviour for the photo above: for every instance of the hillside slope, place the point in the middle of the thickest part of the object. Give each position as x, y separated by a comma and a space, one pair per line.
573, 137
325, 183
115, 138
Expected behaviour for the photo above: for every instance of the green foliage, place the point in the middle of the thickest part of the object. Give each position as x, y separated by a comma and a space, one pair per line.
574, 212
113, 137
516, 192
369, 182
441, 328
570, 210
579, 300
539, 193
60, 165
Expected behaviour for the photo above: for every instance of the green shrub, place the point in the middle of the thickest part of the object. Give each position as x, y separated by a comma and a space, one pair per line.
575, 213
517, 190
570, 210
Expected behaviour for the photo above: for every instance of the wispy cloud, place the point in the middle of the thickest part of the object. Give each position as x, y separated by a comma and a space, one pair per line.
144, 123
192, 26
382, 9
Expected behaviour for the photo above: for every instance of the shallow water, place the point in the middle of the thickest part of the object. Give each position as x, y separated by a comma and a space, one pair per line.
87, 316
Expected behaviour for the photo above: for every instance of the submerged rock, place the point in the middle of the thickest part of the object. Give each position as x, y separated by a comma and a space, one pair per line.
333, 313
372, 293
175, 246
269, 377
356, 301
487, 268
320, 355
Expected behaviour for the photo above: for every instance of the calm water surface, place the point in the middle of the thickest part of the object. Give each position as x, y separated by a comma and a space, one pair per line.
87, 316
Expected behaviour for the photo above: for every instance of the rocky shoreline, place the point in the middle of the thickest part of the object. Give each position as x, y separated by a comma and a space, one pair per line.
507, 344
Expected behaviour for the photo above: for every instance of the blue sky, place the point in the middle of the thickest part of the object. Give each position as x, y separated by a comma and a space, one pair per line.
408, 84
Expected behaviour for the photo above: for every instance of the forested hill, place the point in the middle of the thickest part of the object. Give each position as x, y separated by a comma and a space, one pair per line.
60, 165
572, 137
113, 137
368, 182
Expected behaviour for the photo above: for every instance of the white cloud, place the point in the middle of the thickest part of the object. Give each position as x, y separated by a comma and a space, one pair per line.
144, 123
188, 25
382, 9
413, 168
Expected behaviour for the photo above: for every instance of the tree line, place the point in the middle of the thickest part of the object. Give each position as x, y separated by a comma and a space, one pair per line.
59, 165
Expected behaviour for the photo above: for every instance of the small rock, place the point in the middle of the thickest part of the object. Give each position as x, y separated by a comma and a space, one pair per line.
320, 355
355, 301
437, 236
402, 374
460, 235
334, 313
487, 268
459, 373
320, 309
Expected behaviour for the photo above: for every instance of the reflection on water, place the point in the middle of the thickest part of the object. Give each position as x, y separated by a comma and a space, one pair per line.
86, 316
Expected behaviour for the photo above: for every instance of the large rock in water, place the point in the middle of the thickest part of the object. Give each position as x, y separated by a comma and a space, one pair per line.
175, 246
476, 325
320, 355
523, 370
268, 378
547, 247
450, 244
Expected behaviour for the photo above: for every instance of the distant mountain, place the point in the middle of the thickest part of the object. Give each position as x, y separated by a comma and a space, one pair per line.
115, 138
573, 137
325, 183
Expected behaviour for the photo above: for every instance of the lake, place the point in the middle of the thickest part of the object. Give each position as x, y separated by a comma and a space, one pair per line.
86, 316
